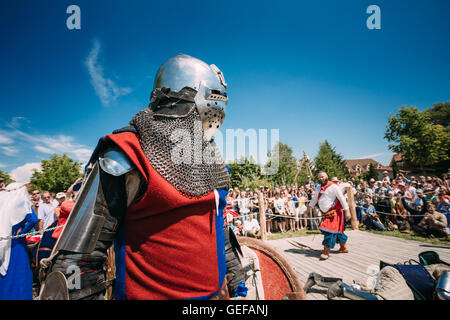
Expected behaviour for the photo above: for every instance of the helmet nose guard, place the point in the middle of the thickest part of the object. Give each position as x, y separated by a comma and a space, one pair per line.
181, 71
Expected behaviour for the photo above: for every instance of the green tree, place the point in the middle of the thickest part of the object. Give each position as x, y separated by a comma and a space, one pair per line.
439, 114
304, 169
57, 174
414, 134
245, 173
287, 165
395, 169
5, 176
330, 161
242, 172
370, 174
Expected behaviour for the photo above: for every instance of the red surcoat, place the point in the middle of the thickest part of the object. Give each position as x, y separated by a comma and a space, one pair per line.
173, 245
333, 224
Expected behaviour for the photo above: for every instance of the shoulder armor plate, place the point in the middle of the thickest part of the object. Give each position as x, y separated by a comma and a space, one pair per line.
115, 162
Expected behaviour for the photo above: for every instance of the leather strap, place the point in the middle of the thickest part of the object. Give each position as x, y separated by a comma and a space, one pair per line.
107, 236
329, 214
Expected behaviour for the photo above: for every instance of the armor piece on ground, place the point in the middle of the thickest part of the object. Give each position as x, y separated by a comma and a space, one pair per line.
340, 289
443, 286
431, 257
279, 280
115, 162
181, 71
392, 285
195, 168
54, 288
317, 279
417, 278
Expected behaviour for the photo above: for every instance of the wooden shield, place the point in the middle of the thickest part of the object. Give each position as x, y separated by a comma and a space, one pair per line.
280, 281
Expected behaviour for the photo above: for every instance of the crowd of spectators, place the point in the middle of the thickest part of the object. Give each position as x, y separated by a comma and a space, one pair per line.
32, 239
418, 205
46, 205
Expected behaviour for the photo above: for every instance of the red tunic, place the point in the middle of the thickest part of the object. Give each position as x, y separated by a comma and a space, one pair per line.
334, 224
173, 247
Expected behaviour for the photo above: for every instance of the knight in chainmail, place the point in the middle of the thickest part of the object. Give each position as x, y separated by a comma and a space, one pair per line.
156, 190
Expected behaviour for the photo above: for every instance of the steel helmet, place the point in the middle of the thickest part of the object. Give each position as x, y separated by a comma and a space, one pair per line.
181, 71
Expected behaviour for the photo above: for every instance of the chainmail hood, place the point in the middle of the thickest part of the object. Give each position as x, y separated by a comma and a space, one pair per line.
177, 151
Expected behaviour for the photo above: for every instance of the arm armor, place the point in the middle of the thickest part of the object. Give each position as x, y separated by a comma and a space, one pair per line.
92, 225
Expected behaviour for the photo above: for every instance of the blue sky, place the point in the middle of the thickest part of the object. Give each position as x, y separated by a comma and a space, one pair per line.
311, 69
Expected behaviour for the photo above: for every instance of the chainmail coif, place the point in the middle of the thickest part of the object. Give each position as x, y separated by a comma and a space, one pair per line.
163, 137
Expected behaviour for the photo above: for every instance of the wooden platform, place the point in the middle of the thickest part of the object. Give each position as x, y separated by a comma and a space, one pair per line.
365, 252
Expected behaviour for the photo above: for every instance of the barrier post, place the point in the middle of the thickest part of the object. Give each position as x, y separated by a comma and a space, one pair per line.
352, 208
262, 216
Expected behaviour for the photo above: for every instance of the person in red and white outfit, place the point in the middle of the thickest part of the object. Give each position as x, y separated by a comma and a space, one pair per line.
332, 204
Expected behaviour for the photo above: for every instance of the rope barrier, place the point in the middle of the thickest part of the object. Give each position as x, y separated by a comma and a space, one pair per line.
30, 233
273, 216
358, 206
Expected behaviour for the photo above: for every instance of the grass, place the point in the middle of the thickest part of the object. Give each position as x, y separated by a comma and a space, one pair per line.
412, 236
396, 233
291, 234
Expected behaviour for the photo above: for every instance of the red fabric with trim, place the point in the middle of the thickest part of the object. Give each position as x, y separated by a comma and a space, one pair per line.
171, 250
275, 283
335, 223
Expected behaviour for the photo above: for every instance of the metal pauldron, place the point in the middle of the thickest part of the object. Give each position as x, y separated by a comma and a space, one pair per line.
115, 162
82, 229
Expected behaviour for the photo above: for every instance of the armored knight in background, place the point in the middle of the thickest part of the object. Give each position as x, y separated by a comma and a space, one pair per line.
157, 190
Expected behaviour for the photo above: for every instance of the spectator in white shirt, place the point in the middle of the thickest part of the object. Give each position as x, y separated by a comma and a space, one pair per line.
280, 209
251, 227
386, 177
244, 205
46, 214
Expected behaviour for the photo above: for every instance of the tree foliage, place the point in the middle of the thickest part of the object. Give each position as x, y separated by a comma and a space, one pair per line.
370, 174
5, 176
304, 169
245, 173
57, 174
287, 165
440, 114
421, 139
330, 161
395, 169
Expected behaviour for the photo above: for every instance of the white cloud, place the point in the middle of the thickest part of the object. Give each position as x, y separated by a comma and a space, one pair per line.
62, 144
106, 89
44, 149
5, 140
83, 154
23, 173
56, 144
376, 155
9, 151
16, 122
